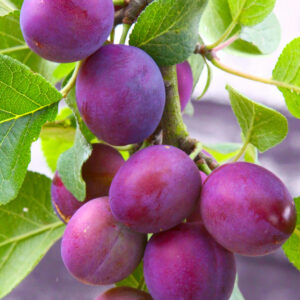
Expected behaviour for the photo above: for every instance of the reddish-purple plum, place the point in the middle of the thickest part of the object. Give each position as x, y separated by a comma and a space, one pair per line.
120, 94
186, 263
155, 189
247, 209
185, 83
64, 30
96, 249
124, 293
97, 172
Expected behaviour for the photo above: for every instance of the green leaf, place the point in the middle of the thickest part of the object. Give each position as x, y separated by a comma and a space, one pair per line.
13, 44
250, 12
27, 101
17, 3
257, 40
236, 293
251, 154
29, 227
6, 7
167, 30
287, 70
222, 152
62, 70
261, 126
291, 248
134, 279
70, 163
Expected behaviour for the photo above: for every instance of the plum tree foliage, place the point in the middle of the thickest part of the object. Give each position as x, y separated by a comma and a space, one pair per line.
126, 166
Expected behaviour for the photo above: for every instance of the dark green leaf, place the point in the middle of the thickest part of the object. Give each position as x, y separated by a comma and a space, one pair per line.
167, 30
261, 126
287, 70
29, 227
27, 101
292, 247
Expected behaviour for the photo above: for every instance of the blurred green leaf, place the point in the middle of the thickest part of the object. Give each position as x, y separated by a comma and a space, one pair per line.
27, 101
29, 227
261, 126
62, 70
6, 7
167, 30
236, 294
291, 248
251, 154
222, 152
287, 70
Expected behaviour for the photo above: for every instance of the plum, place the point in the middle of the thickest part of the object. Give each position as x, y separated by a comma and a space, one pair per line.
124, 293
97, 172
185, 83
96, 249
155, 189
120, 94
66, 31
247, 209
186, 263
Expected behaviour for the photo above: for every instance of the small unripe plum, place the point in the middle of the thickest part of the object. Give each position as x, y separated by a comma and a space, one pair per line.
120, 94
185, 83
96, 249
247, 209
185, 262
66, 31
124, 293
155, 189
97, 172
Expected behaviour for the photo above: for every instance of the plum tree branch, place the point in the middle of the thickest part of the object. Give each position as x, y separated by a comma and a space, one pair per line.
174, 130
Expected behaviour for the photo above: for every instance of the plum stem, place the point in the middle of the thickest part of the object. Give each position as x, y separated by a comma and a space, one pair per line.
196, 151
125, 31
204, 168
174, 130
70, 84
119, 2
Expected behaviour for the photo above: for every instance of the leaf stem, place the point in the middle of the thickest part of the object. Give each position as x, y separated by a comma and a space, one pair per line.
208, 80
14, 49
112, 36
125, 31
67, 88
174, 130
196, 151
229, 70
121, 148
241, 152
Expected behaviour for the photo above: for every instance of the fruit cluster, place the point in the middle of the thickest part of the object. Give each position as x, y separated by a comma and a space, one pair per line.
197, 222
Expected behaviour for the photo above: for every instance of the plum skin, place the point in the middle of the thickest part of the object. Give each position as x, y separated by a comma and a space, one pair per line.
120, 94
98, 172
185, 83
96, 249
66, 31
155, 189
124, 293
247, 209
186, 263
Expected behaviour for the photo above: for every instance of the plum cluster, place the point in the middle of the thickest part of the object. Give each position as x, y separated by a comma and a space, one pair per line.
196, 222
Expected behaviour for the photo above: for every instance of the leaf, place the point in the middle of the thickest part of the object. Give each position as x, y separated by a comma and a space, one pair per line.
13, 44
62, 70
17, 3
70, 163
251, 154
27, 101
29, 227
256, 40
167, 30
236, 293
134, 279
250, 12
287, 70
6, 7
189, 109
291, 248
222, 152
261, 126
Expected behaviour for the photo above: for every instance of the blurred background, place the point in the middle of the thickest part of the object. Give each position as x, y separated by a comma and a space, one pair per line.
266, 278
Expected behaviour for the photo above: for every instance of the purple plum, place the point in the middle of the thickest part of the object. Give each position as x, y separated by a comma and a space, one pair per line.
96, 249
124, 293
185, 262
64, 30
120, 94
185, 83
97, 172
155, 189
247, 209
